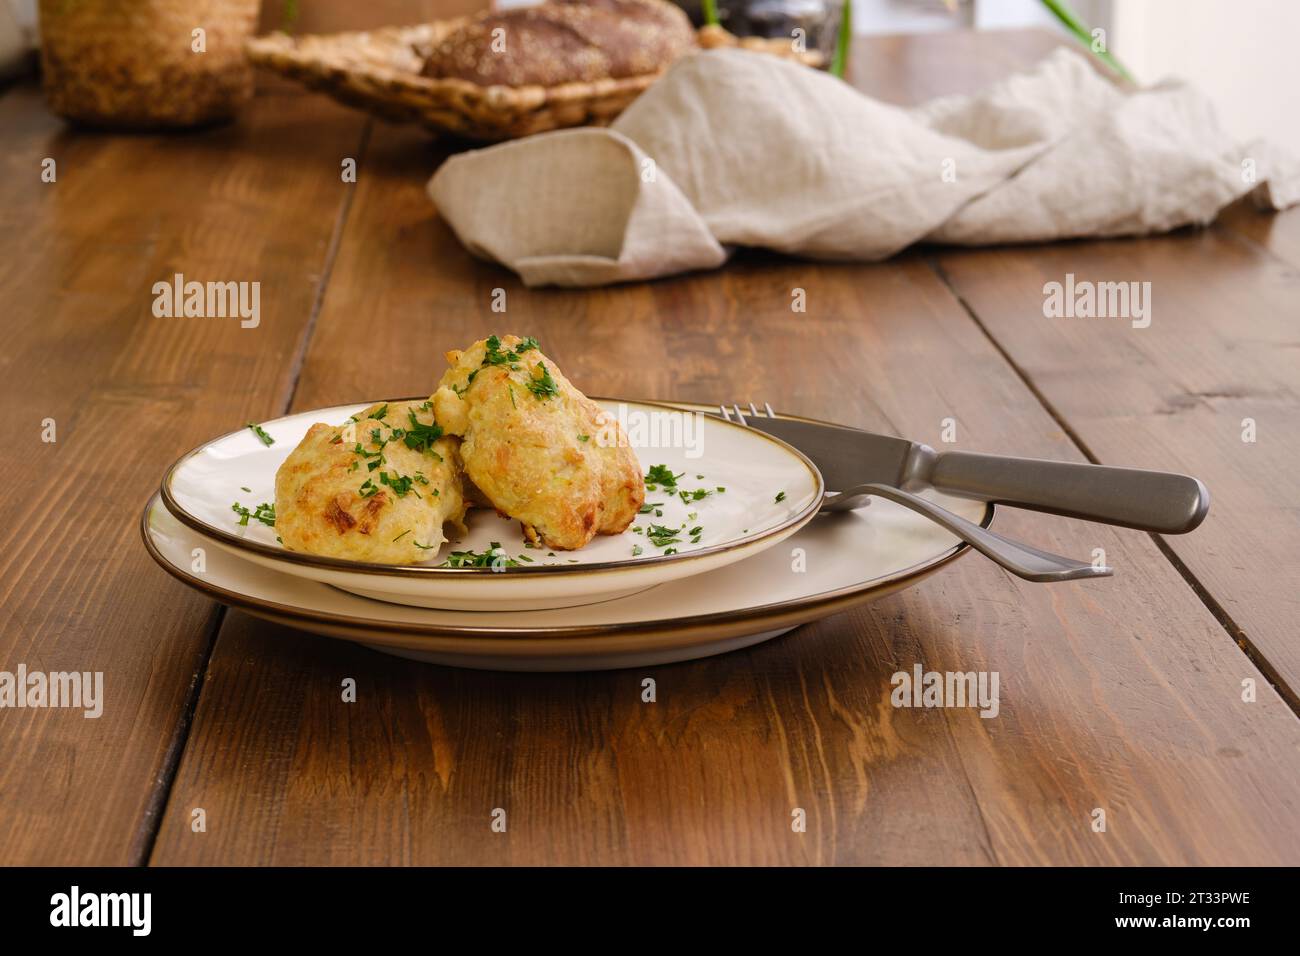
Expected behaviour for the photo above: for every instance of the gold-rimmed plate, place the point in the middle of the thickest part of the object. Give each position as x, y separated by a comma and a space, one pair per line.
831, 564
738, 493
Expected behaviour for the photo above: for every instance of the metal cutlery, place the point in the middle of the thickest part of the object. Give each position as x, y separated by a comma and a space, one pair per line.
857, 464
1155, 501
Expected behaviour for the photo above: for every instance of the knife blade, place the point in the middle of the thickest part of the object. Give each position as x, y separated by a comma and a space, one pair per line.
1156, 501
849, 456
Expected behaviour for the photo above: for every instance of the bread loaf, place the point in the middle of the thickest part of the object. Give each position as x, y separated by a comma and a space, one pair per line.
564, 41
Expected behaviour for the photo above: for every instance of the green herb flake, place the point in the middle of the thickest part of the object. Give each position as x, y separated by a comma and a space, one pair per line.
260, 432
541, 383
661, 476
661, 536
420, 437
401, 484
264, 513
491, 558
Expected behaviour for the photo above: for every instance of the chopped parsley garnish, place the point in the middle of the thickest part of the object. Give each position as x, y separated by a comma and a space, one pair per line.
495, 355
249, 490
699, 494
380, 412
649, 507
401, 484
264, 513
368, 490
661, 476
541, 384
661, 537
636, 550
494, 557
420, 437
780, 496
425, 547
260, 432
584, 438
402, 535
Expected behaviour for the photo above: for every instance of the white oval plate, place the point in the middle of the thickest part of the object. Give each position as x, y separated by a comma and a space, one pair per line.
840, 561
770, 490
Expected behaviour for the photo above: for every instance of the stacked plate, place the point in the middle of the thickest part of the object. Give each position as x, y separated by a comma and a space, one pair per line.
729, 554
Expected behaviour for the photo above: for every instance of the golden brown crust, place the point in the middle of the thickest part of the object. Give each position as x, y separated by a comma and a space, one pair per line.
330, 502
548, 457
564, 41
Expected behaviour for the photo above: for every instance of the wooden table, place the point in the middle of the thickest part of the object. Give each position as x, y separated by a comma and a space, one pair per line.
1124, 694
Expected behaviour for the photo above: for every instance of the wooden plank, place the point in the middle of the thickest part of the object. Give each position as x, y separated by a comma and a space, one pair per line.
1220, 354
1277, 235
128, 392
1121, 695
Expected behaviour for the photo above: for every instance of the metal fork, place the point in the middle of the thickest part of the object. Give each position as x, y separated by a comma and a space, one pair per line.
1022, 560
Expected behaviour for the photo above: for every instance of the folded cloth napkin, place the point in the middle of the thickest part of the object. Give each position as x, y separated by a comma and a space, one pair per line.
739, 148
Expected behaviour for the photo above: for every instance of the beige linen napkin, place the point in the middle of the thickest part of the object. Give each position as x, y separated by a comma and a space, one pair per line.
739, 148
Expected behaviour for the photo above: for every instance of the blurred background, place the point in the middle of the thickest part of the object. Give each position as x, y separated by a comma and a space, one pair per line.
1238, 53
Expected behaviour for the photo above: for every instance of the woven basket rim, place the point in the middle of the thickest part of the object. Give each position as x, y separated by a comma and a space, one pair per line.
267, 50
449, 103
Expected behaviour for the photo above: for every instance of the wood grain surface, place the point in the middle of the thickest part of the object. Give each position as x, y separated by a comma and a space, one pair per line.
1123, 695
126, 391
1211, 387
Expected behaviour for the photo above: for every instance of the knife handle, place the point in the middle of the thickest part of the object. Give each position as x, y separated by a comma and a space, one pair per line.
1129, 497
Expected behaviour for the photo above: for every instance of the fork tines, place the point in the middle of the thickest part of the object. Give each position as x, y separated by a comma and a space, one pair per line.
754, 411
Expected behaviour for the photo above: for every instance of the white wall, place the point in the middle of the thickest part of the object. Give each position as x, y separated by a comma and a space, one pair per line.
1244, 55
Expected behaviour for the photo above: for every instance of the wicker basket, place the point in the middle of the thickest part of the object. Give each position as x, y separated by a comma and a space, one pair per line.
131, 63
379, 71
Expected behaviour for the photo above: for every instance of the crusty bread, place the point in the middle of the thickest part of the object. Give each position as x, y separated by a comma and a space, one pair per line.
564, 41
